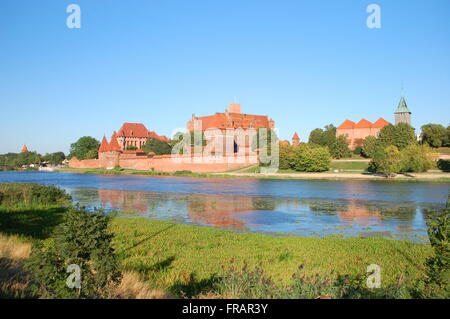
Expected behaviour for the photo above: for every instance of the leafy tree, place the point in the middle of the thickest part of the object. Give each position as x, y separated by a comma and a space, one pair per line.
370, 144
54, 158
339, 149
416, 158
437, 281
328, 136
448, 136
286, 152
131, 148
156, 146
400, 135
310, 158
27, 158
82, 240
386, 161
315, 136
85, 148
435, 135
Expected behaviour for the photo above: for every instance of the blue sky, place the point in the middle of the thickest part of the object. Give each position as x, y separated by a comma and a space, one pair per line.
304, 63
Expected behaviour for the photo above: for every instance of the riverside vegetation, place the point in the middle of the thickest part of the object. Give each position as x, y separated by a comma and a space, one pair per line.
41, 233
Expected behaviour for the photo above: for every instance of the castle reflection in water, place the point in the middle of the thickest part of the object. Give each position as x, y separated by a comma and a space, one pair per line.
304, 217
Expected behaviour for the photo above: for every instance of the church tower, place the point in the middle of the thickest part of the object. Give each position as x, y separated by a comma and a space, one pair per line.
402, 114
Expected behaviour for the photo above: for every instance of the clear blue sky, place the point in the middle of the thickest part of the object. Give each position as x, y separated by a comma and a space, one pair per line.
304, 63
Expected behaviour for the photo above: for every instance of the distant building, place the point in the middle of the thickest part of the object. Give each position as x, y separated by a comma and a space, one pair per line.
24, 148
230, 120
402, 114
357, 132
295, 139
136, 135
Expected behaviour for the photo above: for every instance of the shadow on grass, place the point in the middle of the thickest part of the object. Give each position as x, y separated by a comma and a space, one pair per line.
152, 235
37, 223
194, 287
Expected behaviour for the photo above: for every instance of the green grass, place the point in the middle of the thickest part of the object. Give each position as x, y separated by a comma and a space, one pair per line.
356, 166
444, 150
175, 255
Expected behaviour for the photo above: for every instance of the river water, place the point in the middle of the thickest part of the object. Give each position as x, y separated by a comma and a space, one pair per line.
390, 209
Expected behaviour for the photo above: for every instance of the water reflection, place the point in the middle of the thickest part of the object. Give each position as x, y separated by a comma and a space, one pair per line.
305, 216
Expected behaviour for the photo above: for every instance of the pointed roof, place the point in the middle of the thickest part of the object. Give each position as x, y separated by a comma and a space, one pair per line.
347, 124
24, 148
402, 107
114, 145
380, 123
295, 137
363, 124
104, 147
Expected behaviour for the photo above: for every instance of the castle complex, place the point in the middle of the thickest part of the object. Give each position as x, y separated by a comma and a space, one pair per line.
357, 132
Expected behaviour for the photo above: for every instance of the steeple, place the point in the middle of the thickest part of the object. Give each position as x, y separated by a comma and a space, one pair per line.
24, 148
104, 147
295, 139
114, 145
402, 114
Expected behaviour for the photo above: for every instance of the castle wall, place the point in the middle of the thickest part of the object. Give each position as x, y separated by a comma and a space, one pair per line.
167, 163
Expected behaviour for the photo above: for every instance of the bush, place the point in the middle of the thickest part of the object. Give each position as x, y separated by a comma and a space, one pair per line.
444, 165
416, 158
310, 158
285, 153
370, 145
26, 194
339, 148
386, 161
157, 146
81, 239
437, 281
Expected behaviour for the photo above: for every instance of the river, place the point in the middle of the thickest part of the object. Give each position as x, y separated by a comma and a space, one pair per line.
367, 208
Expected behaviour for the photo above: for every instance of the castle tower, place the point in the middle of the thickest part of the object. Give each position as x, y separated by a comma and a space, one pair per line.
24, 148
295, 139
402, 114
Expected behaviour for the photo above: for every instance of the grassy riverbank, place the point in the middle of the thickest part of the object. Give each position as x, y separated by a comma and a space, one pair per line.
161, 259
254, 172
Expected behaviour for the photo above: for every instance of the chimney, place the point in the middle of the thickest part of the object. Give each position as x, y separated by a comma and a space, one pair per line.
234, 108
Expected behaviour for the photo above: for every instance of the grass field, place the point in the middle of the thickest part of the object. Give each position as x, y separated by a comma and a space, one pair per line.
162, 259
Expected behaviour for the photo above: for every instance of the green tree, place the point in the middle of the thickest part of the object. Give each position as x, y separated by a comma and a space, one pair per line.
82, 239
54, 158
328, 136
416, 158
435, 135
400, 135
370, 144
157, 146
310, 158
339, 149
27, 158
386, 161
286, 152
85, 148
315, 136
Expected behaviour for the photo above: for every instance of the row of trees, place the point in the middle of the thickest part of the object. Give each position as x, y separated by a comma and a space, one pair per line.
337, 146
28, 158
435, 135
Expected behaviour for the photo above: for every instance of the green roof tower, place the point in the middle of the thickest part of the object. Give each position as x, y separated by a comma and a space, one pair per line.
402, 114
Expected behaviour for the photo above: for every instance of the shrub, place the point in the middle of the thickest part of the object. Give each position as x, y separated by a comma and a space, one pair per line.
386, 161
285, 153
444, 165
416, 158
81, 239
370, 146
339, 148
437, 281
26, 194
310, 158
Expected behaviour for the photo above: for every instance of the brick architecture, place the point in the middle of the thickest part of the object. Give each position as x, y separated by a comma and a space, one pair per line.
357, 132
226, 126
24, 148
135, 135
295, 139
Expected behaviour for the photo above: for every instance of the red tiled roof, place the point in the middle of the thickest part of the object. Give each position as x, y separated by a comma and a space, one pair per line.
347, 124
363, 124
133, 130
233, 120
104, 147
295, 137
381, 122
114, 145
139, 130
24, 148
